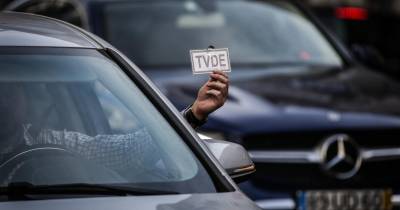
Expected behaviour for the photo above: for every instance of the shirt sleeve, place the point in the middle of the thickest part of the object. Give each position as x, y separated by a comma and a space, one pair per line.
191, 119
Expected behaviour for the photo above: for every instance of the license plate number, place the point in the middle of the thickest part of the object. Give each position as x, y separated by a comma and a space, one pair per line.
344, 200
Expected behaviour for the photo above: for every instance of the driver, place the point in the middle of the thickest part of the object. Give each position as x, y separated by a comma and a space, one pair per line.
15, 133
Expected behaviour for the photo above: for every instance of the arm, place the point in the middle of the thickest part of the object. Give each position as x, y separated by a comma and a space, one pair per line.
211, 96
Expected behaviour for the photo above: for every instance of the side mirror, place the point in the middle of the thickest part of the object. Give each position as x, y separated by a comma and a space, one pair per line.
233, 158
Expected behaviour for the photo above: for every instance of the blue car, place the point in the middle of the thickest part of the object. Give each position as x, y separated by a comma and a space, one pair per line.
318, 125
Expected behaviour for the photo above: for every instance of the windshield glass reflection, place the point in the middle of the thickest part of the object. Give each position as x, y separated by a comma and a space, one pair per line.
160, 33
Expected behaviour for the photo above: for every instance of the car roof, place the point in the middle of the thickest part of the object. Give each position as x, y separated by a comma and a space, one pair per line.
22, 29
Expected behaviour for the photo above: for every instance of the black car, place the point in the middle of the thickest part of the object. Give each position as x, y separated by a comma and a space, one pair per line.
370, 29
320, 127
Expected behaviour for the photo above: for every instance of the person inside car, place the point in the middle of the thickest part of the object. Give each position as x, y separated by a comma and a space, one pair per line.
16, 133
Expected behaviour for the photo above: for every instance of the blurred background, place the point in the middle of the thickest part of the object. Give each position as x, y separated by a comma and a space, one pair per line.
370, 28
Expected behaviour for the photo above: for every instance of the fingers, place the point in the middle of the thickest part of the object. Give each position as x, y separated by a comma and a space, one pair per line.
218, 90
221, 73
212, 95
216, 85
215, 93
219, 76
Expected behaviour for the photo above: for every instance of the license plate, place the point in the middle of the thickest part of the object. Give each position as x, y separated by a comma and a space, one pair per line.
344, 200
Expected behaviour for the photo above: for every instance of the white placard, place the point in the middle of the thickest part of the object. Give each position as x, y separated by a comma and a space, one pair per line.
206, 61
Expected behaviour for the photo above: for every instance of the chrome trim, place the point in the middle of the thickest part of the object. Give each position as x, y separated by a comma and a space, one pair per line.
380, 154
396, 200
285, 156
340, 144
246, 169
203, 137
278, 204
314, 156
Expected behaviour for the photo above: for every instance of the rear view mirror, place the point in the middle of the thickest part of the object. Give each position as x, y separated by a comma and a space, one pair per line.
233, 158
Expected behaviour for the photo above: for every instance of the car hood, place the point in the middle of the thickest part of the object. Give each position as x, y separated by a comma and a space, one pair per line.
212, 201
293, 98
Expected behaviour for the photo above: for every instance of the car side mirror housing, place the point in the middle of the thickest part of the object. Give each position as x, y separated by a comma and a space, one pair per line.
233, 158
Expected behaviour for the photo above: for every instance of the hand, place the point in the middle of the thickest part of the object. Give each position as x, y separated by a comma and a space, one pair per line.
211, 95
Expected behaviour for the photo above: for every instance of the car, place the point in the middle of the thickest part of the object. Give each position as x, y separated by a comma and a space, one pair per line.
318, 125
351, 21
83, 128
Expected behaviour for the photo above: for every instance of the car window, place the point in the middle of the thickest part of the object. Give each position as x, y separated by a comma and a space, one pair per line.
161, 33
82, 120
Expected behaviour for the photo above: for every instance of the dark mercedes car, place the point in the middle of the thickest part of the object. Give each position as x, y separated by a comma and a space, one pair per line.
322, 129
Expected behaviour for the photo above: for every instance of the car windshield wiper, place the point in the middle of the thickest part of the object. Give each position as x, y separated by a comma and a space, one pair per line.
24, 190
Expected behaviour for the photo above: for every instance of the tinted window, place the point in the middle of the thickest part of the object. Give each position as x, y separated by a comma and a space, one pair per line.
92, 123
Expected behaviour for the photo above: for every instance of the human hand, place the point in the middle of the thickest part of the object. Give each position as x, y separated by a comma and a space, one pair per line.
212, 95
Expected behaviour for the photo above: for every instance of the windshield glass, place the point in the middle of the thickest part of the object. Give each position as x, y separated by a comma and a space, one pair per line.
161, 33
72, 116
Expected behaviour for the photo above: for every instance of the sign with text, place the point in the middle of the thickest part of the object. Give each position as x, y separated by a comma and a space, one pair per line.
206, 61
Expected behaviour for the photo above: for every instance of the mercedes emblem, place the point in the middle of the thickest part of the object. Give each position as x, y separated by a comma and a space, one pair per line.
340, 156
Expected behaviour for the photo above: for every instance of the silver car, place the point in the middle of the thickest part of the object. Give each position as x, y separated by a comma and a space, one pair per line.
82, 127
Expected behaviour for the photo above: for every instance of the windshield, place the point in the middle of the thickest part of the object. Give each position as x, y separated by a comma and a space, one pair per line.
72, 116
161, 33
